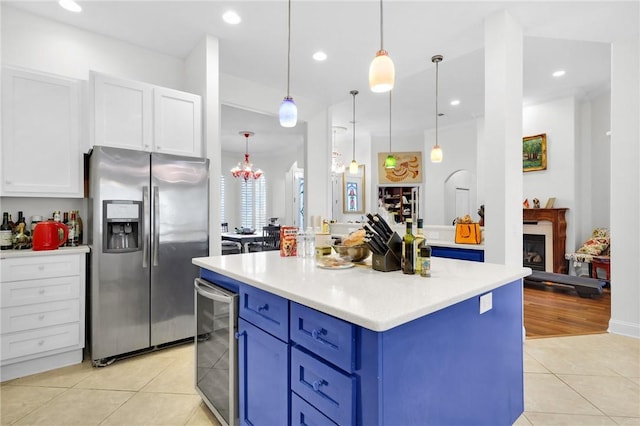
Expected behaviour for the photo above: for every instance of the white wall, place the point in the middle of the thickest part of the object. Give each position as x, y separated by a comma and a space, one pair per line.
558, 120
599, 170
32, 42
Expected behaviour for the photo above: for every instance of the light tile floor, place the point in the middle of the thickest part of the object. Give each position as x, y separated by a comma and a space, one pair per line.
580, 380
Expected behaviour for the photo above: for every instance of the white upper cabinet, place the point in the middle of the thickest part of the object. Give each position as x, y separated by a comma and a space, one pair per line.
134, 115
41, 154
177, 122
122, 113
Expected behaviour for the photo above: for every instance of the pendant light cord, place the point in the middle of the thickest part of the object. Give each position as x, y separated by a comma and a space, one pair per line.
390, 122
381, 26
354, 93
437, 102
289, 49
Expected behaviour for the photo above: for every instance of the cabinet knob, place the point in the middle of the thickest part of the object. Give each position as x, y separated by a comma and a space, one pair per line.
41, 291
264, 307
318, 333
158, 148
318, 383
8, 182
41, 342
40, 267
41, 317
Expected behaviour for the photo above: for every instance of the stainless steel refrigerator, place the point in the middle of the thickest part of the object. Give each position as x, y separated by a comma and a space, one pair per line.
148, 217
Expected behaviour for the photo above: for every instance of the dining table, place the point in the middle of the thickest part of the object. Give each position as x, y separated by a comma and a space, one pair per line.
243, 239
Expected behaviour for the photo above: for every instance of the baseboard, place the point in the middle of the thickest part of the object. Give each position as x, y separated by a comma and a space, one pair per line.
624, 328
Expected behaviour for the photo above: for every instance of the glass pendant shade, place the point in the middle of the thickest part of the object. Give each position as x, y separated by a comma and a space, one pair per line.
390, 162
382, 73
288, 112
436, 154
353, 167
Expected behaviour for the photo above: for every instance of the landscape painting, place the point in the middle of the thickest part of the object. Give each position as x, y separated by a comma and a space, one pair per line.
534, 153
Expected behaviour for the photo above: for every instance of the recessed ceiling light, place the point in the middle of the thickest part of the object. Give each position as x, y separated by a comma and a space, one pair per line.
455, 102
558, 73
231, 17
320, 56
70, 5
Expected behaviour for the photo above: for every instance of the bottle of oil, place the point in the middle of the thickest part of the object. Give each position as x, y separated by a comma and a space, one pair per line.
408, 258
417, 245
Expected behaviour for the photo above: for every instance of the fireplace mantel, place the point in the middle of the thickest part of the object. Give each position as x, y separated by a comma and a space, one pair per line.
559, 225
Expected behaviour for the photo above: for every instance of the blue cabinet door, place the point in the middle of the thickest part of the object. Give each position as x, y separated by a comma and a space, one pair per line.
458, 253
263, 377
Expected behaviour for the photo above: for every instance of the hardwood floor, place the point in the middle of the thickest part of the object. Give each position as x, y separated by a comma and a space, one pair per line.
554, 311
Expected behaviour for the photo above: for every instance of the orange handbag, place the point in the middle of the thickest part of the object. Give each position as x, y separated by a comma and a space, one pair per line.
468, 233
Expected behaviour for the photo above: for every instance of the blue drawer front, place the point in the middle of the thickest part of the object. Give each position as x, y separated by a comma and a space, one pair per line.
458, 253
331, 338
303, 414
266, 310
328, 389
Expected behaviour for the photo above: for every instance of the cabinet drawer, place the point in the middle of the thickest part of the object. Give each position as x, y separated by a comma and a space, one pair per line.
29, 268
325, 387
19, 293
36, 341
304, 414
266, 310
28, 317
329, 337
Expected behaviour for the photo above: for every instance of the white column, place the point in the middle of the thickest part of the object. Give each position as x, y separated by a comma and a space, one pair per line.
202, 76
502, 146
625, 188
317, 167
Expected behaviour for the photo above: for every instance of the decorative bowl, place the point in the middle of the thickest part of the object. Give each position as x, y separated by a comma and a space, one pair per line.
355, 253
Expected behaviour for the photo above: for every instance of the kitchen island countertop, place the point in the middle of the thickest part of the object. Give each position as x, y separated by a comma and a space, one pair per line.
375, 300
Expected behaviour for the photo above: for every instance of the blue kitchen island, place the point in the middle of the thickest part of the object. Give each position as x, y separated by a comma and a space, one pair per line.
361, 347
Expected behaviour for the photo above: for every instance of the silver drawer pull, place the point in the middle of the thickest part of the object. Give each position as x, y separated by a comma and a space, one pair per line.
264, 307
41, 291
318, 333
41, 317
41, 267
41, 342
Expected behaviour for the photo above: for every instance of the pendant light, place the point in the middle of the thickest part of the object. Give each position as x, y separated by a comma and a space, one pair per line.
390, 162
353, 167
288, 111
244, 169
436, 152
382, 73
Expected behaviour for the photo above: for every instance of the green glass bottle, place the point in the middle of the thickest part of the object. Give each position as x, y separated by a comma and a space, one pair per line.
408, 247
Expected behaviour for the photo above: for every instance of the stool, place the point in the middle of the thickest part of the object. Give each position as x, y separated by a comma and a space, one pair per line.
601, 263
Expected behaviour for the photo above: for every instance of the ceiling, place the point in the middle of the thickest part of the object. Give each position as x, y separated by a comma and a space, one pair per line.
570, 35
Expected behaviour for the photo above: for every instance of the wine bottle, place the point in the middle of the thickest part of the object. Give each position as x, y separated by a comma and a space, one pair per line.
79, 229
6, 234
417, 245
72, 238
408, 266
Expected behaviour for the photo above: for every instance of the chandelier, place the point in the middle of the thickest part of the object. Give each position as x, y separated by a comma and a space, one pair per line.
337, 166
244, 169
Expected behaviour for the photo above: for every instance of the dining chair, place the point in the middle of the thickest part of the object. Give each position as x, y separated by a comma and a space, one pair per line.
229, 247
270, 239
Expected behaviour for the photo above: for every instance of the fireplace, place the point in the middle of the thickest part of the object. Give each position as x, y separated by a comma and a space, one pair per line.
555, 244
533, 252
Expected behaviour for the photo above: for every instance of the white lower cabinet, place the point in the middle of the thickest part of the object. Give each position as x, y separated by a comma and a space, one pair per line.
42, 311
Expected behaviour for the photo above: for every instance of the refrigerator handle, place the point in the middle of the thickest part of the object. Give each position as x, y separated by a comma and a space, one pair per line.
145, 238
155, 233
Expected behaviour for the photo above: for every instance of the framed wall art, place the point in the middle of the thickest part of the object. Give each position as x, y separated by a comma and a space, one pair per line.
408, 168
534, 153
353, 191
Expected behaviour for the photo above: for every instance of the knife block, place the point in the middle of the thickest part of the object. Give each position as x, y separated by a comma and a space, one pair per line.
390, 261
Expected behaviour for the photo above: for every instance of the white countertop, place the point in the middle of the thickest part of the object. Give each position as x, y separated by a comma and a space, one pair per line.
375, 300
6, 254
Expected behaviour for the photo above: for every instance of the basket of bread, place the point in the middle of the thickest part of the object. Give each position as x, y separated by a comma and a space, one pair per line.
353, 247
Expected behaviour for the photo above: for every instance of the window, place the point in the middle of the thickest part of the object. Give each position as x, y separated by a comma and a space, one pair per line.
254, 203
